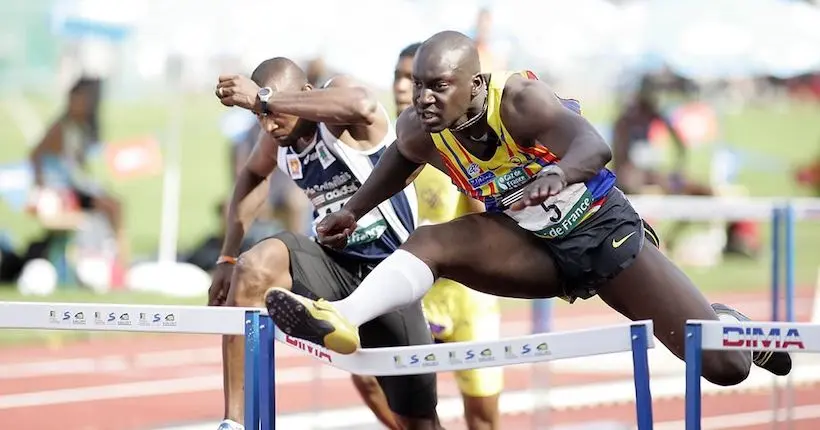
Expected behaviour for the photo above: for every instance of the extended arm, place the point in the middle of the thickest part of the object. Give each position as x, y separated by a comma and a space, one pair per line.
396, 168
344, 103
533, 112
249, 193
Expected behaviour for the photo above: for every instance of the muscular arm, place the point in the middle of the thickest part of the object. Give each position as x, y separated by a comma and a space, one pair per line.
396, 168
249, 193
344, 103
532, 112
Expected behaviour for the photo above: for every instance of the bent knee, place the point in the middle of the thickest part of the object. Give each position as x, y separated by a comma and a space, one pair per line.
428, 244
726, 368
262, 267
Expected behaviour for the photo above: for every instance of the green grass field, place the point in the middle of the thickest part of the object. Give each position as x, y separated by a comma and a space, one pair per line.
791, 132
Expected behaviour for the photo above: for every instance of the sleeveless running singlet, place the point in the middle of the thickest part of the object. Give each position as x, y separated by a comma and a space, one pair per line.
513, 166
330, 172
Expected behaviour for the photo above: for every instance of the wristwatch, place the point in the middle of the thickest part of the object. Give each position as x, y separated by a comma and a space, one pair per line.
264, 95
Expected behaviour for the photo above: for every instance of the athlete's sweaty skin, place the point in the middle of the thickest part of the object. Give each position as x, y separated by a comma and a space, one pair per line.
490, 252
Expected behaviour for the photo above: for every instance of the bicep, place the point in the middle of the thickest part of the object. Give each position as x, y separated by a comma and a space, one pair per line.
536, 113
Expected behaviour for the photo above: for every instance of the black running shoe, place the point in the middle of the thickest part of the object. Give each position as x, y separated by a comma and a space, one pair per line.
779, 363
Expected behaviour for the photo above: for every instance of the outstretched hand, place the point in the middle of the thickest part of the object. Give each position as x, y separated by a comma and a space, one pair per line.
539, 190
335, 228
237, 90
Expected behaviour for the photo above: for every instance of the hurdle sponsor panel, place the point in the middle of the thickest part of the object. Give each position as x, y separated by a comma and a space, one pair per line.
765, 336
470, 355
759, 336
120, 317
146, 318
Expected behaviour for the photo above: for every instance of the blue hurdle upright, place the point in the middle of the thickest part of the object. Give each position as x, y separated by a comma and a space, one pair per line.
704, 335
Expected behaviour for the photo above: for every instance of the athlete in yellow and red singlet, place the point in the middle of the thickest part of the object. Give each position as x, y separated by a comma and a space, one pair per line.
555, 224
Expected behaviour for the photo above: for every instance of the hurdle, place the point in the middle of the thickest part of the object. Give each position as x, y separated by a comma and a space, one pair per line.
702, 335
635, 337
149, 319
261, 336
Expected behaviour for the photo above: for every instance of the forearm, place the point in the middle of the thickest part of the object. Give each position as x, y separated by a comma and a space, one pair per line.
585, 157
391, 175
250, 193
343, 105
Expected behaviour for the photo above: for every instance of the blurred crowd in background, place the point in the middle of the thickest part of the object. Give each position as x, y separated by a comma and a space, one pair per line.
665, 70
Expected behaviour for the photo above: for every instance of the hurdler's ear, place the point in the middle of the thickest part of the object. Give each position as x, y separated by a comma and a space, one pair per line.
477, 83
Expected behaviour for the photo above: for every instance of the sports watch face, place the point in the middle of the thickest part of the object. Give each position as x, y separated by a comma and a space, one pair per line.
265, 92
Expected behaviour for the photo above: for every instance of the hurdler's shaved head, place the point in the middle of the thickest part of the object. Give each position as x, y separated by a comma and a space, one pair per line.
447, 81
450, 49
280, 72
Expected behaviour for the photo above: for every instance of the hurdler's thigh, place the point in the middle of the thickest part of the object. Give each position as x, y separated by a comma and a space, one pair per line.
314, 272
488, 252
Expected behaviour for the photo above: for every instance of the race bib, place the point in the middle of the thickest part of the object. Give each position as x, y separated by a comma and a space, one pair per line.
558, 215
370, 228
331, 195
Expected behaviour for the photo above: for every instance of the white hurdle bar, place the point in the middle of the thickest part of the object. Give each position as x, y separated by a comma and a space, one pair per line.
148, 319
261, 335
635, 337
702, 335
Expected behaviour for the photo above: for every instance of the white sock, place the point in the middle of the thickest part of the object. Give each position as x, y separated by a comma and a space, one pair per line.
395, 283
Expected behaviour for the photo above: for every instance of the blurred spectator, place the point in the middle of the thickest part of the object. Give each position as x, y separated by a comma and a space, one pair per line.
636, 165
68, 141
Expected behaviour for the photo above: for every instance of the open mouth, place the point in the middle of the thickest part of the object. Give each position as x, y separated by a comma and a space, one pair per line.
428, 117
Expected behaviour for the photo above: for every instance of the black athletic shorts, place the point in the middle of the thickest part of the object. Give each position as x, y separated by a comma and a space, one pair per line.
320, 274
601, 247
